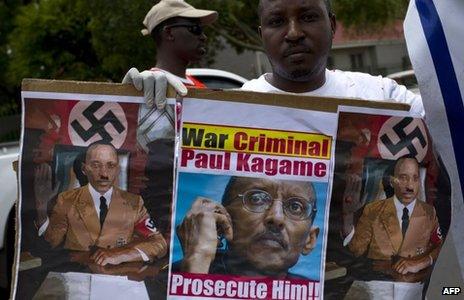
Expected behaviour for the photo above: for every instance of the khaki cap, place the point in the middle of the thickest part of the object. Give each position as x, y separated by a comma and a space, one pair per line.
167, 9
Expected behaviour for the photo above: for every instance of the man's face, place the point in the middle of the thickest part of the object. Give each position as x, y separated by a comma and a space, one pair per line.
406, 181
101, 167
297, 37
271, 240
188, 42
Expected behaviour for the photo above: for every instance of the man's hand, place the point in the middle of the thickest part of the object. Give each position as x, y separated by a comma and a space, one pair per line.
352, 195
154, 85
43, 190
199, 232
411, 265
113, 256
351, 201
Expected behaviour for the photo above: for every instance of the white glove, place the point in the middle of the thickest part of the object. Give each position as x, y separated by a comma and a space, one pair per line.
154, 85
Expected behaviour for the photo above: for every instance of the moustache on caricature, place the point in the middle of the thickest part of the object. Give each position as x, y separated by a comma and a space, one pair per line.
273, 234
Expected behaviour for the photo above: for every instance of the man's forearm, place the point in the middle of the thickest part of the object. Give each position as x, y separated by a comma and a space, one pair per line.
41, 218
129, 254
347, 225
149, 248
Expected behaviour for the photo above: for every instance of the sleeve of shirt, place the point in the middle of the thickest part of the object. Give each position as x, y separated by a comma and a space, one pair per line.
44, 227
144, 256
151, 242
362, 234
401, 94
348, 238
58, 226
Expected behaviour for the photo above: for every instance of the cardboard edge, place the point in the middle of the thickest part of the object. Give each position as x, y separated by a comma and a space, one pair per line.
327, 104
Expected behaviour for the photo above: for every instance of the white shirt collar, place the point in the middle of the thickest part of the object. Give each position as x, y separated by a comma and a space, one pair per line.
399, 206
96, 197
320, 91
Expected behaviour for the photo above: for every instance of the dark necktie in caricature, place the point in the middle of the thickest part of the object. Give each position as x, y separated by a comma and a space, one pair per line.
405, 221
103, 210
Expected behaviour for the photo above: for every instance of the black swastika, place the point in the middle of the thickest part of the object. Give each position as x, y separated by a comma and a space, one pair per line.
98, 125
405, 139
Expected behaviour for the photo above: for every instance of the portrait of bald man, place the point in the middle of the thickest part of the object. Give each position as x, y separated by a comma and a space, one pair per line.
100, 215
268, 225
402, 229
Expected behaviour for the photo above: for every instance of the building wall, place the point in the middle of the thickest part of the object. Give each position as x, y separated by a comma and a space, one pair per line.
244, 64
381, 57
392, 57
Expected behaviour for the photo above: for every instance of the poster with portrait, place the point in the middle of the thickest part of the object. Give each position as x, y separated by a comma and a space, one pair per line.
390, 207
96, 179
251, 202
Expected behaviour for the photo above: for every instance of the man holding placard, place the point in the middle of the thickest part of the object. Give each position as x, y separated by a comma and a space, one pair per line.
297, 37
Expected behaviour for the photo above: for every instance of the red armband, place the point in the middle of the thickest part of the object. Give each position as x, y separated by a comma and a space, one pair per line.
146, 227
436, 237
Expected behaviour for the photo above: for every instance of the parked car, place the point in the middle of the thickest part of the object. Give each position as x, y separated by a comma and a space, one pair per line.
217, 79
8, 154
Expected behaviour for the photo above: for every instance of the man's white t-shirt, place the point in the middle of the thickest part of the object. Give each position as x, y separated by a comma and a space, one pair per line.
351, 85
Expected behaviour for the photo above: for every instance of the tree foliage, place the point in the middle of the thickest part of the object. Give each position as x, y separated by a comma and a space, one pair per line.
369, 14
78, 40
8, 102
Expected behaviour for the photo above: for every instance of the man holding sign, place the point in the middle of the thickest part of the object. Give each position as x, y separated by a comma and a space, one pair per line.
297, 37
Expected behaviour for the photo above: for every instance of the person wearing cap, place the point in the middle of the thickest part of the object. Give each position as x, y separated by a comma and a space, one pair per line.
177, 29
297, 37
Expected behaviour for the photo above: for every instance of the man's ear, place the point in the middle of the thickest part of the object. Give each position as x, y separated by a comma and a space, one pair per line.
333, 24
392, 180
310, 240
83, 169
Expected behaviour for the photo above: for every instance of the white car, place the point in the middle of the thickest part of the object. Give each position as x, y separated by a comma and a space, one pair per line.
9, 188
217, 79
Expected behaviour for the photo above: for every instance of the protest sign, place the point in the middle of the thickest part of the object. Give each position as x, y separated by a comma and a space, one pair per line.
434, 36
238, 159
96, 172
255, 174
385, 163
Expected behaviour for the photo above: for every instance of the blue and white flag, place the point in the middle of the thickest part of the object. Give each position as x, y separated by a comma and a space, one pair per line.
434, 31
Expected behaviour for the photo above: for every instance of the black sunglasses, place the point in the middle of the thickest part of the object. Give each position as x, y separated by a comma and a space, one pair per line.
193, 28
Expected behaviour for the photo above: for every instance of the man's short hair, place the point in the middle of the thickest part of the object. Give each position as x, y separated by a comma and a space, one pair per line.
390, 172
401, 159
328, 5
157, 31
96, 144
226, 198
